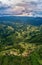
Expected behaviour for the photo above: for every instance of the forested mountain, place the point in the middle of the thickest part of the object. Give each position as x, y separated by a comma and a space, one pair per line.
20, 41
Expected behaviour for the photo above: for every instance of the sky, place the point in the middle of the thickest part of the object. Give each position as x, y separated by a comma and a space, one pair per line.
21, 7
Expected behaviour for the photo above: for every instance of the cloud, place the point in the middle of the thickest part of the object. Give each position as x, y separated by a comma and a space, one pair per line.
21, 7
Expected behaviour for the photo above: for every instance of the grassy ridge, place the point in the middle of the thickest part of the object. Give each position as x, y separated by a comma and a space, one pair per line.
20, 44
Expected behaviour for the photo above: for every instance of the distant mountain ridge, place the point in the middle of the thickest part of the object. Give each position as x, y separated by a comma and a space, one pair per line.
24, 19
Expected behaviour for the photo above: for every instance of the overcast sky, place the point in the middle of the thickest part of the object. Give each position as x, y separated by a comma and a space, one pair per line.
21, 7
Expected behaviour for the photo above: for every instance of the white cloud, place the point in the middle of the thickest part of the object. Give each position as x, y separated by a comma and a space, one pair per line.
9, 2
31, 0
21, 7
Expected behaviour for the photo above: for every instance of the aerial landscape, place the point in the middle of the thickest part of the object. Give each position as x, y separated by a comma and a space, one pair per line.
21, 32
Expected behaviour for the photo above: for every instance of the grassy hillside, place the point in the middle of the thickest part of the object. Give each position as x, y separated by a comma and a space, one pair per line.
20, 44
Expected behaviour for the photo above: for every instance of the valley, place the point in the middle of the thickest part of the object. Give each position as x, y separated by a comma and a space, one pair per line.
20, 42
